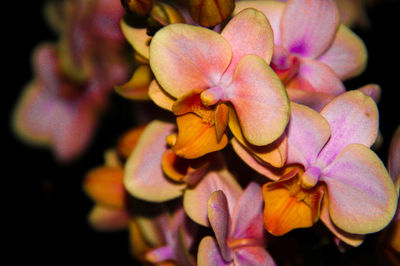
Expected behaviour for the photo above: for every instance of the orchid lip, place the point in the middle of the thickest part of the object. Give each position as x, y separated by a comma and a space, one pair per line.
244, 242
212, 96
310, 177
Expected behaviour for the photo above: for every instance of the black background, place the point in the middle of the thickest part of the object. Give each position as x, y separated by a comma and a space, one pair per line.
44, 207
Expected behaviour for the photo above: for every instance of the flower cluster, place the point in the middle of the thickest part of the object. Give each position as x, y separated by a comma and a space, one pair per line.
255, 133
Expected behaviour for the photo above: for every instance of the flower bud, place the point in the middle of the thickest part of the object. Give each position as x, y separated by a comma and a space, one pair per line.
138, 7
209, 13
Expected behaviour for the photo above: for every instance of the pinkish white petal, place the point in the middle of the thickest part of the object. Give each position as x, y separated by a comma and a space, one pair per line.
253, 256
144, 177
347, 55
260, 101
362, 197
195, 199
308, 27
186, 58
253, 26
307, 134
353, 118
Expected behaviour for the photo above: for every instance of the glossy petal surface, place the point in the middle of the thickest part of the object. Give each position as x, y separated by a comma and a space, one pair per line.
362, 198
186, 58
308, 27
260, 101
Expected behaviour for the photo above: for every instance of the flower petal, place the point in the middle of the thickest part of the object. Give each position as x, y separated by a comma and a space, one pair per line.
253, 256
372, 90
260, 101
273, 10
209, 254
219, 218
274, 154
247, 214
256, 164
362, 197
253, 26
106, 219
353, 118
137, 37
137, 87
347, 55
105, 186
196, 138
144, 178
209, 13
307, 134
315, 76
186, 58
195, 199
160, 97
127, 141
308, 27
394, 159
350, 239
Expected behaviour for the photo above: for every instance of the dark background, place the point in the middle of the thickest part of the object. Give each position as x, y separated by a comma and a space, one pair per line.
44, 206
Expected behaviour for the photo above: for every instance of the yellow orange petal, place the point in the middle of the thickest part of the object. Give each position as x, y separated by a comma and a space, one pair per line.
283, 212
128, 140
137, 37
166, 14
137, 87
105, 186
221, 119
274, 154
196, 137
138, 244
174, 166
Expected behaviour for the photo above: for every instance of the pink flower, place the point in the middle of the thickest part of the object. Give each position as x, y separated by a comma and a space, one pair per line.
239, 233
333, 149
313, 52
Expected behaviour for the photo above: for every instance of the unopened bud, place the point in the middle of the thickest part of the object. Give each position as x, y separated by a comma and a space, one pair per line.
138, 7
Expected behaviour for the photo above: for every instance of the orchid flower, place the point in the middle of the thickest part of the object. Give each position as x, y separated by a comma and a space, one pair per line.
331, 173
313, 51
239, 233
202, 73
154, 174
137, 86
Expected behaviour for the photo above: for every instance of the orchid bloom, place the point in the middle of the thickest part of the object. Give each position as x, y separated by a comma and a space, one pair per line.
154, 174
313, 51
137, 86
330, 164
239, 233
203, 76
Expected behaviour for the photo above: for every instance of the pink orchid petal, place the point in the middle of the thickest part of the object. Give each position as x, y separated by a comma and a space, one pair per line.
195, 199
182, 59
137, 37
273, 10
307, 134
144, 177
72, 128
315, 76
308, 27
252, 256
247, 217
107, 219
362, 197
160, 97
209, 254
372, 90
347, 55
256, 164
394, 159
253, 26
350, 239
30, 119
259, 99
219, 218
160, 254
353, 118
314, 100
